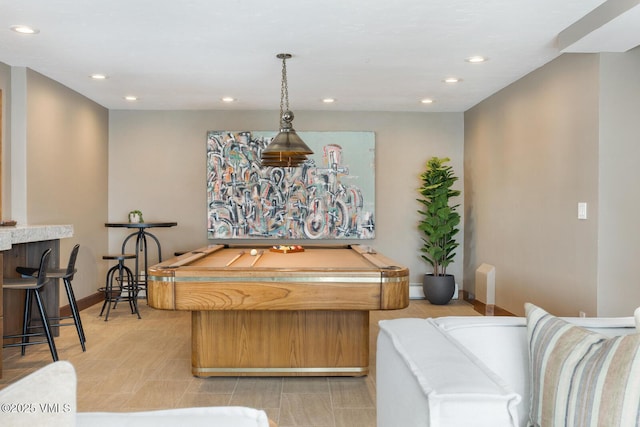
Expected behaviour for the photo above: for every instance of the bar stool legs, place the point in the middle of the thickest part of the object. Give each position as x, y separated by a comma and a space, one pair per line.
32, 287
121, 285
66, 275
75, 313
45, 324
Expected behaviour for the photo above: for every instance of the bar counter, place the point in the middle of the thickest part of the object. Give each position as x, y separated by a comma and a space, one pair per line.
24, 245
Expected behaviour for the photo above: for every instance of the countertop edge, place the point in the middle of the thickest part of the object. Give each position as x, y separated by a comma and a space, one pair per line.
10, 236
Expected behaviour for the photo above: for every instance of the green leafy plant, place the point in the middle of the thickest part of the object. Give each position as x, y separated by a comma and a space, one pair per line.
139, 213
439, 220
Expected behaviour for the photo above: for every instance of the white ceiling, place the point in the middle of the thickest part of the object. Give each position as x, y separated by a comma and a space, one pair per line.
371, 55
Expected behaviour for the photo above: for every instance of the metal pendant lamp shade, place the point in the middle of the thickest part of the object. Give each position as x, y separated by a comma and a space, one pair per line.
287, 149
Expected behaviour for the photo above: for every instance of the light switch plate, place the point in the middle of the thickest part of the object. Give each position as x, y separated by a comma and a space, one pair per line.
582, 210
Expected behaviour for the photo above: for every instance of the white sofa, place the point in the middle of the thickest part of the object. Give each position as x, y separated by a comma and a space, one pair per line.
47, 397
461, 371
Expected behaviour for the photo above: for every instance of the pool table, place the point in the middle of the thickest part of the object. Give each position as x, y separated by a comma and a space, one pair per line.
279, 313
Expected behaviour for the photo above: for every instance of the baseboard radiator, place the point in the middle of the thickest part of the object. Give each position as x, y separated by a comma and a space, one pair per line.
486, 284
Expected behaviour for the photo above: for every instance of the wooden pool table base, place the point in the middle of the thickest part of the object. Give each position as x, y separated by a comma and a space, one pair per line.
298, 314
280, 343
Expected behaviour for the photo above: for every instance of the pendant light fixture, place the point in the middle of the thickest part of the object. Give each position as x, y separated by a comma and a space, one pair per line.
287, 149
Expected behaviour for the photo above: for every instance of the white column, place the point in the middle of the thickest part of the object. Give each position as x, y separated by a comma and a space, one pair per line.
18, 145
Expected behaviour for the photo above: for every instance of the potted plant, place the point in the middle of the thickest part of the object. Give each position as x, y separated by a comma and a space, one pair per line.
135, 217
438, 226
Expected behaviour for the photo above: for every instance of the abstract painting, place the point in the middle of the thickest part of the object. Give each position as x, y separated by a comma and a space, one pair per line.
330, 196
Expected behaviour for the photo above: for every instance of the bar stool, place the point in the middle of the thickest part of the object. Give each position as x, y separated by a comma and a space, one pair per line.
32, 288
120, 285
66, 274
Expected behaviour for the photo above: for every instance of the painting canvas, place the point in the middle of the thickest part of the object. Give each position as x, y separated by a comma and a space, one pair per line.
330, 196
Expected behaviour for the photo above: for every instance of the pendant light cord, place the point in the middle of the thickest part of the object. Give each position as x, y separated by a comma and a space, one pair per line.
284, 90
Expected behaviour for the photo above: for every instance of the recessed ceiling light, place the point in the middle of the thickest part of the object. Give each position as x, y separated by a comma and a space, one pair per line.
131, 98
24, 29
427, 101
99, 76
228, 99
329, 100
452, 80
476, 59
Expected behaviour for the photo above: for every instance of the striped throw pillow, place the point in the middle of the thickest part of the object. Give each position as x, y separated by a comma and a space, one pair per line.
579, 377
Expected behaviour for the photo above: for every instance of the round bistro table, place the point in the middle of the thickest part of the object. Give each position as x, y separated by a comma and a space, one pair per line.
141, 234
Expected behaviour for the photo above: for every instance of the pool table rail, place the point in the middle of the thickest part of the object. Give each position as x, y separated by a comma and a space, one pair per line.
177, 284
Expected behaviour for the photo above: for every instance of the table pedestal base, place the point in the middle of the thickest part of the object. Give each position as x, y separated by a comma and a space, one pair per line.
280, 343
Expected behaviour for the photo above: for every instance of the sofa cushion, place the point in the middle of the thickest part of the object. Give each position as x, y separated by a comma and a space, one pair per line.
459, 388
501, 344
580, 377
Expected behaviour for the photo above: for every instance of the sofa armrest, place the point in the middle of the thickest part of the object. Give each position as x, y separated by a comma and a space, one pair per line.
425, 378
46, 397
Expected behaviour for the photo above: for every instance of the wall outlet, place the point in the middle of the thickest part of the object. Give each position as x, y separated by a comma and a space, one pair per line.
582, 314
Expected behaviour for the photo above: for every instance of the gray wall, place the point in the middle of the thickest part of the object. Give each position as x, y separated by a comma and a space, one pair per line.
619, 154
566, 133
531, 154
64, 166
67, 138
157, 165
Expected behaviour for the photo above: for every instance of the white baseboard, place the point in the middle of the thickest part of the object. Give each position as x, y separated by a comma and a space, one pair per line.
415, 291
